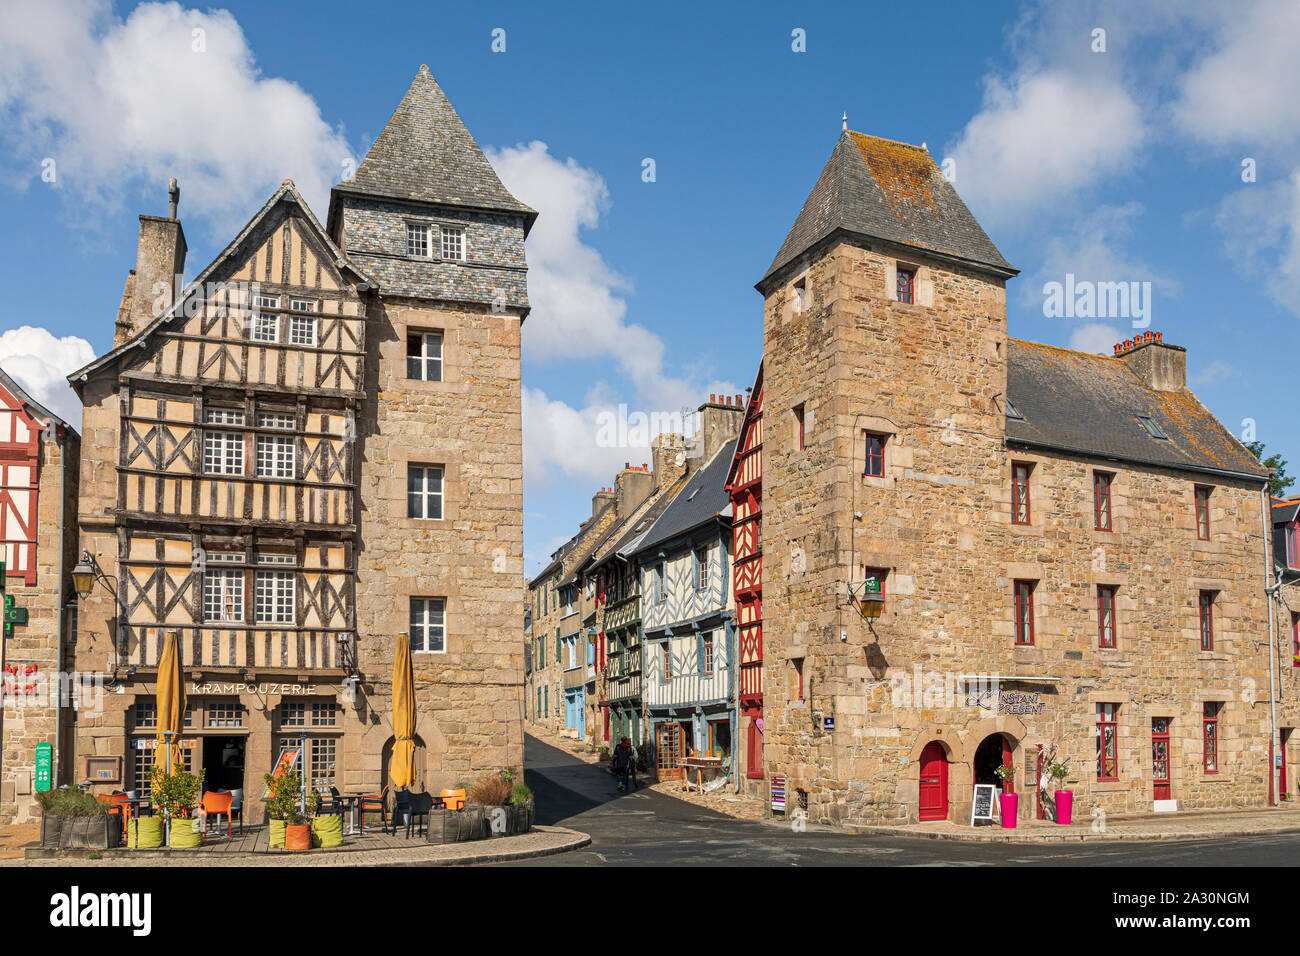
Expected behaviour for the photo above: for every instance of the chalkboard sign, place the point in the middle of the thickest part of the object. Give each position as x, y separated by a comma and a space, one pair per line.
983, 806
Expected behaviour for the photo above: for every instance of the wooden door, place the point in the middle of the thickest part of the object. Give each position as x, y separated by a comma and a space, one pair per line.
1160, 758
668, 751
934, 783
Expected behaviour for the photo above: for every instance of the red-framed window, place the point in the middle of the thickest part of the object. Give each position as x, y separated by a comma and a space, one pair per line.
1203, 512
879, 575
1108, 741
1295, 638
1020, 493
906, 285
1206, 604
798, 676
1293, 546
1101, 499
1106, 615
1024, 610
798, 421
1211, 736
875, 463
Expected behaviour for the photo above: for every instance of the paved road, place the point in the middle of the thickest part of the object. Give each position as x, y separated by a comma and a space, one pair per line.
644, 828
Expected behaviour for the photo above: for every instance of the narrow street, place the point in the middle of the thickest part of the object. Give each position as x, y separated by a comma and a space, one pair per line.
644, 828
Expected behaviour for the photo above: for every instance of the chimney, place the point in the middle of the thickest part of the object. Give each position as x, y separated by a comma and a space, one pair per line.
152, 286
600, 499
632, 486
720, 420
1161, 365
669, 457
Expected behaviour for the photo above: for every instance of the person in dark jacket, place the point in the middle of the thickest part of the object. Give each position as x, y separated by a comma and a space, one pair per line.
624, 760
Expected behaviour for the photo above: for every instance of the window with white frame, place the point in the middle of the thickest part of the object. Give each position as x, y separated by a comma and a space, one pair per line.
223, 416
302, 330
262, 325
428, 628
273, 597
701, 568
274, 420
223, 596
417, 240
223, 453
274, 457
706, 654
424, 491
424, 356
453, 243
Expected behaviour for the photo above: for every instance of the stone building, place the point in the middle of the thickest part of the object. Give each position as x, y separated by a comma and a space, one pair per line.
313, 452
1286, 609
1071, 548
39, 457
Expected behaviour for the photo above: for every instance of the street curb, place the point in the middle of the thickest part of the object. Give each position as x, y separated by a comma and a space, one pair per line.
572, 840
1088, 837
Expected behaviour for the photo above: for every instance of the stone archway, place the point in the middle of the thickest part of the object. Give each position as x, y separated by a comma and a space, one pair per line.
1012, 729
956, 772
376, 747
419, 782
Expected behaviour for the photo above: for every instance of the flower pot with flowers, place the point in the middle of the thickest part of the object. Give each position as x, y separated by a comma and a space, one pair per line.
1064, 798
1008, 802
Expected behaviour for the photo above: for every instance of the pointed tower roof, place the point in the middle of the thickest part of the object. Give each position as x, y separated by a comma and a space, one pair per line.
425, 154
882, 189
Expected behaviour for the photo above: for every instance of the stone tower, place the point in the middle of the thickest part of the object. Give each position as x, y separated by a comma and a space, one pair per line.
442, 470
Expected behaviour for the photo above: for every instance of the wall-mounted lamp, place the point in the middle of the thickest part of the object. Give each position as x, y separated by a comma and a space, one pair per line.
86, 572
867, 597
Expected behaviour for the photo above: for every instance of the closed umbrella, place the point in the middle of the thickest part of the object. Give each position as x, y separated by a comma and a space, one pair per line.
401, 767
171, 704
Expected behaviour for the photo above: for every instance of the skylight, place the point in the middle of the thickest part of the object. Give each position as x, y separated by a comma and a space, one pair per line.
1013, 412
1152, 428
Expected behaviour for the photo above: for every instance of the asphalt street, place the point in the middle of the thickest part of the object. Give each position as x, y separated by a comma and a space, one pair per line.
643, 828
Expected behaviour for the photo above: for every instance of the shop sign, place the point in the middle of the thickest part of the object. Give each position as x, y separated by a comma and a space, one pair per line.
1007, 702
287, 690
44, 767
778, 794
981, 807
151, 743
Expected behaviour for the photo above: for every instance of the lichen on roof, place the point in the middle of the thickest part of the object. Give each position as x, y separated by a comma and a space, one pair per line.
903, 172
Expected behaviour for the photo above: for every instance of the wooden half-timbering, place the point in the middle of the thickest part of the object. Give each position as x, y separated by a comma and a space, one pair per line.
745, 485
20, 464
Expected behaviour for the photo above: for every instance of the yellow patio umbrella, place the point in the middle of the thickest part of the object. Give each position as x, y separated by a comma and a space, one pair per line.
401, 766
171, 702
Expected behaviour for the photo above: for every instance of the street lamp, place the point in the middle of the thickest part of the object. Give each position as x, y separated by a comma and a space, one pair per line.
83, 575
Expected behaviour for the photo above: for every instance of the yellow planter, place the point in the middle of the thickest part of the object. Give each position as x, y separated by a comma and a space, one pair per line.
326, 831
144, 833
276, 830
184, 836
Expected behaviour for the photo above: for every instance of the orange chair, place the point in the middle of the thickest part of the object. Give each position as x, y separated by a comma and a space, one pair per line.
117, 807
219, 804
453, 799
373, 802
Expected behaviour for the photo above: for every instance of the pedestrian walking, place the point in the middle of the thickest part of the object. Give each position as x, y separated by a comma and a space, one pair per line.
624, 761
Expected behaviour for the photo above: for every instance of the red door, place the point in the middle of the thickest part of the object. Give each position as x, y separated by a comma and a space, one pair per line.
1160, 757
934, 783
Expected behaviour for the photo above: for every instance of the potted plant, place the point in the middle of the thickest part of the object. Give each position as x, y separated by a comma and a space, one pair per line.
1064, 798
74, 819
282, 801
1009, 802
176, 794
326, 829
297, 831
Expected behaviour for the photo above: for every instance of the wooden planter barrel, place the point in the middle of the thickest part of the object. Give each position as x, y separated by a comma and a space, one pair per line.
99, 832
457, 826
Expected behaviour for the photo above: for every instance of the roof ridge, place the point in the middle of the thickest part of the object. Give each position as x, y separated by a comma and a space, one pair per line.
886, 139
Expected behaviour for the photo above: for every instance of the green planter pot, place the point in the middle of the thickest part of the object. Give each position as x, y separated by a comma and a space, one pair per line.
184, 836
276, 830
326, 831
144, 833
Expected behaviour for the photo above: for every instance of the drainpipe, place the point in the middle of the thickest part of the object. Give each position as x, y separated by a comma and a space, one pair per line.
1269, 591
60, 614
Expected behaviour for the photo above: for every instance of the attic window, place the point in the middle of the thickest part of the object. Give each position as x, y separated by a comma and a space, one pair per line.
453, 243
906, 285
1013, 412
800, 296
1152, 428
417, 240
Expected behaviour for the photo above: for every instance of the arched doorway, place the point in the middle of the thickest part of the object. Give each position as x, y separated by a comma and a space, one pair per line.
993, 752
418, 784
933, 794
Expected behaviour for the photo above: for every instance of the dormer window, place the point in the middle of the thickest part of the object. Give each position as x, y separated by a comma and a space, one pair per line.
417, 240
453, 244
906, 285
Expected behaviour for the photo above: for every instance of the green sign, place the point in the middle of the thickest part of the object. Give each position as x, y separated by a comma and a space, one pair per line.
44, 768
12, 614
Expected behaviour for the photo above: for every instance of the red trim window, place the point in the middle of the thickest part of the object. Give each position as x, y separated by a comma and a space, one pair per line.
875, 465
1293, 546
1108, 741
1295, 639
798, 420
1105, 615
1203, 512
1024, 620
1020, 493
1211, 736
879, 575
798, 674
906, 285
1206, 603
1101, 499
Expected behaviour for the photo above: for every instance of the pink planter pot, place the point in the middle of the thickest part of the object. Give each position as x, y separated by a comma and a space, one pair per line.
1009, 802
1064, 806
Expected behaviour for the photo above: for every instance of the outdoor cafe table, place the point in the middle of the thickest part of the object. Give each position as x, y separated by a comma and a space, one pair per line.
353, 800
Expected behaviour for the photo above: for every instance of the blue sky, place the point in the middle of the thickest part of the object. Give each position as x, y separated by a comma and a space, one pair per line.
1115, 164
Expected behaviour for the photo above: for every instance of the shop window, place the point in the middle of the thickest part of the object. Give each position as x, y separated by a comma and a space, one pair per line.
1105, 616
1101, 481
1020, 513
225, 713
1210, 718
1024, 613
1203, 512
1206, 605
1108, 741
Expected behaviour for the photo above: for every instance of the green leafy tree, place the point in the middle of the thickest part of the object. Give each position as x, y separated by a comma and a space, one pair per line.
1280, 482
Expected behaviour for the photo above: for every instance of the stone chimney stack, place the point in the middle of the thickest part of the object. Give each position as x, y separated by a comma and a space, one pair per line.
152, 286
632, 486
669, 458
720, 420
1161, 365
600, 499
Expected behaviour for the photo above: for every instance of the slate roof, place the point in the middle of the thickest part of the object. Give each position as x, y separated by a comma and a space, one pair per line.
1284, 511
629, 532
425, 154
703, 498
1088, 404
893, 191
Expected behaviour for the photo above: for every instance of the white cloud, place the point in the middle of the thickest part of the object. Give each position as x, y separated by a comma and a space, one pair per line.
1044, 135
122, 105
40, 363
1260, 225
1095, 338
1214, 373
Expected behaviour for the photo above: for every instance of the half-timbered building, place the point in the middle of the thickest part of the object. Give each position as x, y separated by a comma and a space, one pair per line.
310, 452
39, 455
